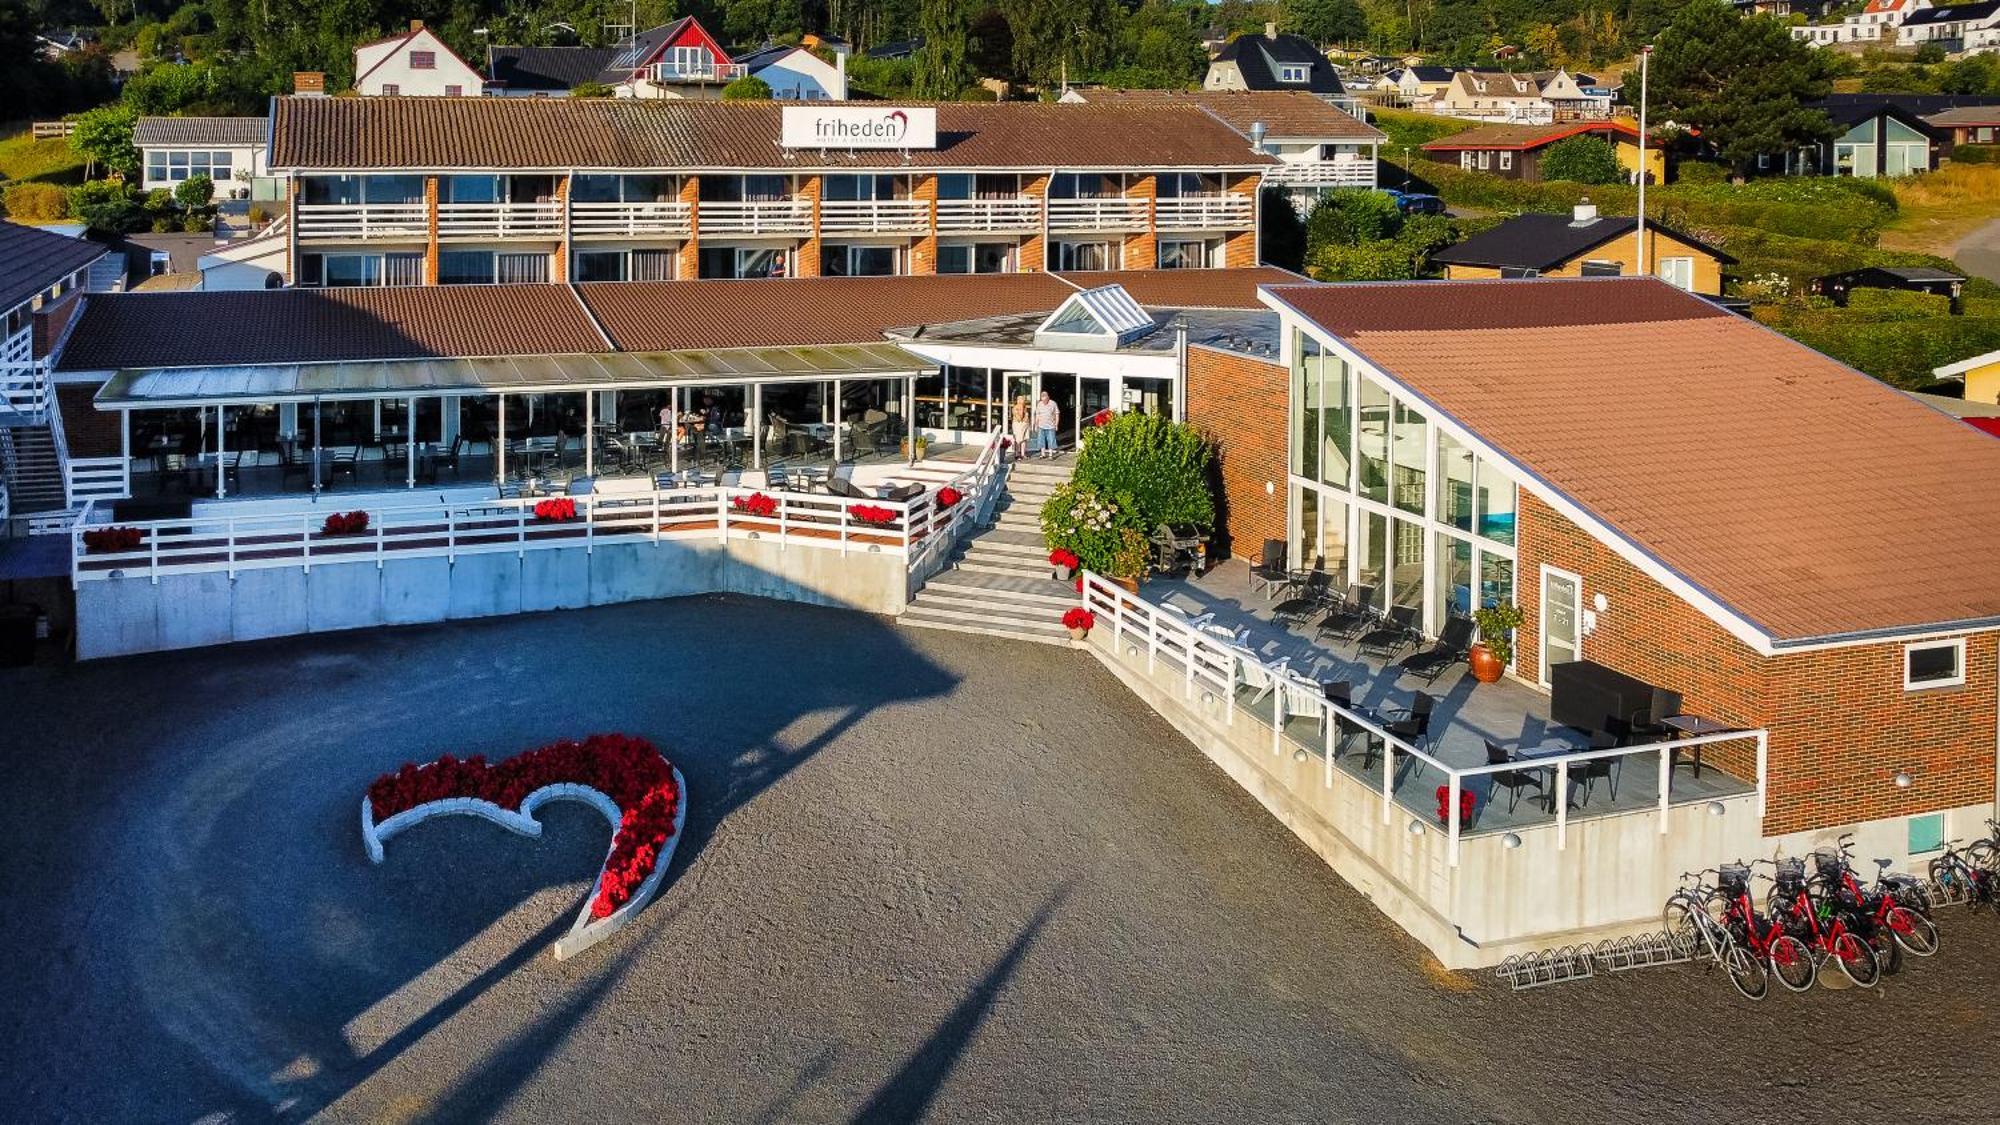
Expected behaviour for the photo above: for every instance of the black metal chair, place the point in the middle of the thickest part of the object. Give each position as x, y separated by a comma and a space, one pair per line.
1411, 724
904, 493
449, 459
1311, 599
1352, 613
1452, 645
841, 486
1340, 693
1270, 569
1393, 634
1513, 780
345, 461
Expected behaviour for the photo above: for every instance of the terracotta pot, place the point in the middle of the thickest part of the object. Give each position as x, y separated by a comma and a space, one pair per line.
1486, 667
1129, 585
1077, 633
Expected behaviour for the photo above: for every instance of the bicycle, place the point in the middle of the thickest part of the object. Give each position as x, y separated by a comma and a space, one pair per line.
1893, 925
1823, 929
1691, 924
1788, 958
1955, 875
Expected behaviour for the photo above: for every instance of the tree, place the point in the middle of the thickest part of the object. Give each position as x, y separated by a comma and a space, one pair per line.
1740, 81
1584, 159
944, 65
1281, 239
1326, 21
104, 137
1351, 217
1158, 38
748, 88
1544, 42
1054, 37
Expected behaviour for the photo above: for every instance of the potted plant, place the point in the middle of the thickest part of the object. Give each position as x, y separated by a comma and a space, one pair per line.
1467, 800
756, 504
104, 540
556, 509
1064, 562
1494, 650
346, 523
1078, 621
874, 515
1128, 560
923, 444
948, 498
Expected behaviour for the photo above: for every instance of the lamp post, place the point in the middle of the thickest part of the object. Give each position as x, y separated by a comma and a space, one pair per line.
1406, 168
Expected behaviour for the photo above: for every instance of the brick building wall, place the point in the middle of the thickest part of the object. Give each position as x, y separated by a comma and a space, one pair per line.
811, 189
89, 431
924, 251
687, 263
1034, 251
1239, 404
51, 320
1841, 724
431, 251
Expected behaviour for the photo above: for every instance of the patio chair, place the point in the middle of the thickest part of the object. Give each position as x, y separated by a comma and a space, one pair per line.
509, 490
777, 476
1351, 615
580, 486
449, 459
347, 461
1340, 693
1513, 780
1584, 775
1311, 599
291, 463
1411, 724
1270, 568
1397, 631
904, 493
841, 486
1451, 647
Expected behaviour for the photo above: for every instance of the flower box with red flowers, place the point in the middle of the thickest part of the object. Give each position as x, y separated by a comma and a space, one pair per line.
873, 515
1078, 621
556, 509
103, 540
756, 504
948, 497
345, 523
1466, 801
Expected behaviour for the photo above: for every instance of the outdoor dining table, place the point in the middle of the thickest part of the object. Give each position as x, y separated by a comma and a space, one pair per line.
1691, 726
1528, 755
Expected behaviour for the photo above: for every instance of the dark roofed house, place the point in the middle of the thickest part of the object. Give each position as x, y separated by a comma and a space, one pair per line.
1911, 279
1272, 61
678, 59
546, 70
1872, 138
1584, 244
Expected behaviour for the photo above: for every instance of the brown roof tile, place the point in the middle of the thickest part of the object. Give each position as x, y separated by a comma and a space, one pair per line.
563, 133
320, 325
1809, 498
1284, 113
1526, 136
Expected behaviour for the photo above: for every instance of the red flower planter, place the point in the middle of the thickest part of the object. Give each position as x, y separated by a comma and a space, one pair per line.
346, 523
756, 504
1466, 801
556, 509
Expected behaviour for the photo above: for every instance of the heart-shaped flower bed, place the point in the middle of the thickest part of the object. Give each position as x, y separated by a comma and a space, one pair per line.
623, 777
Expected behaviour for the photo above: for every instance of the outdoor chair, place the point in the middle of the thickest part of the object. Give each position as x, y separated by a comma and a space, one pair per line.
449, 459
291, 463
904, 493
1397, 631
1584, 775
1351, 615
1270, 568
1451, 648
510, 490
777, 476
1513, 780
1411, 724
1311, 598
347, 461
841, 486
1340, 693
580, 486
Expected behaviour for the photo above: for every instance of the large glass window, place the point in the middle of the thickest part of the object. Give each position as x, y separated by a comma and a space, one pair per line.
1496, 503
858, 261
175, 165
1085, 256
465, 267
353, 269
1306, 418
1373, 437
1305, 527
1452, 595
600, 265
861, 188
392, 189
469, 189
976, 257
1454, 502
1406, 573
1336, 427
1374, 565
1409, 454
1496, 579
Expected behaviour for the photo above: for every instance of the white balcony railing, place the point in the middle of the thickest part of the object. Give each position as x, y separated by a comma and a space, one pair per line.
695, 72
1348, 172
363, 220
782, 216
1205, 212
612, 220
500, 220
99, 478
1018, 213
1113, 213
845, 216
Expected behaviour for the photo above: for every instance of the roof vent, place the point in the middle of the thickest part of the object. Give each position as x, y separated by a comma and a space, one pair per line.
1585, 213
1257, 132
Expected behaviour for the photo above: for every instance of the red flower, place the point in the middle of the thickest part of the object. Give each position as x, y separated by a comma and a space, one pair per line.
346, 523
872, 514
1077, 617
756, 504
1101, 418
1079, 583
556, 509
1466, 800
113, 538
949, 496
1064, 557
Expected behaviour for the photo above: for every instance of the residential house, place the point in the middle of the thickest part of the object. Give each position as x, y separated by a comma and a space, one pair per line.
230, 151
165, 262
1585, 244
42, 279
1875, 137
676, 60
1515, 152
896, 49
415, 63
797, 74
1574, 96
1493, 95
1272, 61
1909, 279
1959, 28
399, 192
1965, 125
1980, 374
1415, 83
1319, 147
1877, 22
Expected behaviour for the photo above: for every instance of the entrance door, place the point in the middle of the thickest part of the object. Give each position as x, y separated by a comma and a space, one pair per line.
1096, 397
1061, 388
1562, 619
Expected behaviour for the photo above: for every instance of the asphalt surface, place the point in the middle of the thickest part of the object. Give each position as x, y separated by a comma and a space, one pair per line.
1979, 252
925, 876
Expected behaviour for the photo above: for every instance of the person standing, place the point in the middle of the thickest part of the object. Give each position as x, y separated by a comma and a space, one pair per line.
1021, 421
1048, 416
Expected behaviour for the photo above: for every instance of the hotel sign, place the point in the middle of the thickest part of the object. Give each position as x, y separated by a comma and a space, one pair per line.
856, 126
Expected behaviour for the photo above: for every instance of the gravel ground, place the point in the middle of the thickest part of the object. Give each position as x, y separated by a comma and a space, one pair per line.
924, 875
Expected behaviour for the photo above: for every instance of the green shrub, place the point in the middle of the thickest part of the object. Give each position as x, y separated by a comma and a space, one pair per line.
36, 203
1888, 335
590, 90
748, 88
1079, 518
1352, 217
1701, 172
1976, 154
977, 94
1160, 466
1583, 160
105, 205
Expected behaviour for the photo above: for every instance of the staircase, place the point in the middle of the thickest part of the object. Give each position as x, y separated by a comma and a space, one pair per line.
998, 581
32, 468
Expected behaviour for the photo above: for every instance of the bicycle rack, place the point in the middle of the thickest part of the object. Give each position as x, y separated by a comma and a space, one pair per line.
1956, 893
1546, 966
1643, 951
1580, 962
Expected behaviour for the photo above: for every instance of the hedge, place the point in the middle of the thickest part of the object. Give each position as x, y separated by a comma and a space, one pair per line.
1896, 337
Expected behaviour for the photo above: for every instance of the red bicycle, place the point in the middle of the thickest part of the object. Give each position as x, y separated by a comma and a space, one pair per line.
1909, 930
1766, 938
1823, 928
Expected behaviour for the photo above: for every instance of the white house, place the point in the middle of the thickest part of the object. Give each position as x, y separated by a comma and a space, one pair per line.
1967, 28
230, 151
1878, 21
796, 74
416, 62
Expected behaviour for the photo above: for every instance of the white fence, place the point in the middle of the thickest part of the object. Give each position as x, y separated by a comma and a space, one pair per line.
845, 216
1020, 213
99, 478
601, 220
1196, 212
1349, 172
363, 220
1213, 669
500, 220
785, 216
1113, 213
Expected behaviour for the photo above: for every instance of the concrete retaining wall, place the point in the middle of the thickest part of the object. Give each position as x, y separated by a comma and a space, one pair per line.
120, 616
1611, 876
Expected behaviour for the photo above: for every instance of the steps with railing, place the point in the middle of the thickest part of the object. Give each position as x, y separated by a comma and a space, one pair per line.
997, 581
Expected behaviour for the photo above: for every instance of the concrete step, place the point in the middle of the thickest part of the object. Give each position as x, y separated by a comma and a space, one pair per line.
1053, 634
1001, 589
1002, 566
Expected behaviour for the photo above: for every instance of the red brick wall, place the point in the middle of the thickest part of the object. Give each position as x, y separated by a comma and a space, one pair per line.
50, 320
89, 431
1239, 403
1841, 724
1239, 251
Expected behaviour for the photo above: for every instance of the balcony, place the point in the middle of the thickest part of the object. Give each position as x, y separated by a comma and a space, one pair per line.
851, 216
1206, 212
1347, 172
1109, 213
500, 220
772, 217
363, 221
629, 220
668, 73
1014, 214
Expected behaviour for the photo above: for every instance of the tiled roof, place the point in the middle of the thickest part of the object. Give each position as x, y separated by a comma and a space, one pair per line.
1808, 498
157, 132
1257, 58
211, 328
1543, 242
1966, 115
1525, 136
547, 68
31, 260
563, 133
1284, 113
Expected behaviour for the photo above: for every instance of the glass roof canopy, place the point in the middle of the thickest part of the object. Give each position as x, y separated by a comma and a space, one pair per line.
163, 387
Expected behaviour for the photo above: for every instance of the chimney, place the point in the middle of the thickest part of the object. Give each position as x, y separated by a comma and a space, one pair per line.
1270, 29
309, 83
1257, 132
416, 26
1585, 213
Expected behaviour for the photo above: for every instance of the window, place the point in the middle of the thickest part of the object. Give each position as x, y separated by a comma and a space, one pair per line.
1084, 256
1294, 73
423, 60
742, 261
691, 61
1485, 161
1926, 833
175, 165
976, 257
344, 270
465, 267
858, 261
390, 89
1934, 664
1506, 162
1678, 272
1467, 160
1600, 268
1183, 255
402, 269
454, 91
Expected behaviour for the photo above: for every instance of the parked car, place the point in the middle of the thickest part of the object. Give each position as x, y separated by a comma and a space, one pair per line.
1416, 203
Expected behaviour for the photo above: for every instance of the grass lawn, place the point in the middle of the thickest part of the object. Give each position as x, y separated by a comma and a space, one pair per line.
24, 158
1936, 210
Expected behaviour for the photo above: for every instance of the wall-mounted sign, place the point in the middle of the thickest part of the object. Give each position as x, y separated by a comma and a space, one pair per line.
858, 126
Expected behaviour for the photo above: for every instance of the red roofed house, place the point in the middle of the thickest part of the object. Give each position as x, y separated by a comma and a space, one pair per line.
1514, 152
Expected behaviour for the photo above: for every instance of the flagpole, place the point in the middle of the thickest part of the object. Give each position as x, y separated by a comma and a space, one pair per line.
1645, 53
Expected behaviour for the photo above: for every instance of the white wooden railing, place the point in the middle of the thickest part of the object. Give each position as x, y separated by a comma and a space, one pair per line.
1338, 172
842, 216
99, 478
1112, 213
500, 220
1199, 212
1020, 213
363, 220
783, 216
599, 220
939, 529
695, 72
1212, 669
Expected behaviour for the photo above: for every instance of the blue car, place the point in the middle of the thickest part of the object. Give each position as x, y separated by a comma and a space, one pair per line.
1415, 203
